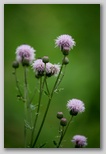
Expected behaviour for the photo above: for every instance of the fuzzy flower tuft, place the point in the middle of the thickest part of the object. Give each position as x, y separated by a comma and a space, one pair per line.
75, 106
52, 69
25, 53
79, 141
56, 69
38, 66
65, 42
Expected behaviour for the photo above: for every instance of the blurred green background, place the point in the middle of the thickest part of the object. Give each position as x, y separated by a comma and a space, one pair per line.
38, 25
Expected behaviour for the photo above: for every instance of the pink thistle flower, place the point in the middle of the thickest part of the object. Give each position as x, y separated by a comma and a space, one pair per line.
75, 106
48, 69
39, 67
65, 42
56, 69
79, 141
52, 69
25, 53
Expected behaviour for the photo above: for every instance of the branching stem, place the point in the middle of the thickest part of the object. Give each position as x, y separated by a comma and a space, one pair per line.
48, 104
63, 134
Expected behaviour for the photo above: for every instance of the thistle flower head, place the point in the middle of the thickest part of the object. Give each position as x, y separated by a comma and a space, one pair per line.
48, 69
38, 66
25, 53
75, 106
79, 141
56, 69
65, 42
52, 69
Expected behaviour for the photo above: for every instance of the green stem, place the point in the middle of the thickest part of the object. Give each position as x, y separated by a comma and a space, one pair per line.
25, 107
35, 90
36, 118
47, 87
39, 102
29, 107
61, 138
49, 101
57, 80
17, 84
60, 80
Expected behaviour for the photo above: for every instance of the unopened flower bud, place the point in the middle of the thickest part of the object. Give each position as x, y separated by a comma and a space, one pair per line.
59, 115
63, 122
45, 59
15, 64
65, 61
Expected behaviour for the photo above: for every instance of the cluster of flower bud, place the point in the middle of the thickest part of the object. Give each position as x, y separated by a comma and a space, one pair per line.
63, 121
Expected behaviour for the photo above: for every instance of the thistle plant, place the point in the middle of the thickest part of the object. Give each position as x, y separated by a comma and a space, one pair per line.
43, 69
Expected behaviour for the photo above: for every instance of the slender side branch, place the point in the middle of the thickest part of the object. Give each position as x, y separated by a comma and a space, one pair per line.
35, 90
61, 138
60, 80
39, 102
40, 95
47, 87
17, 84
62, 132
49, 101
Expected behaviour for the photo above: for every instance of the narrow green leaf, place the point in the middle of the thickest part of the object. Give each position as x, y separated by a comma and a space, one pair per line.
42, 145
55, 143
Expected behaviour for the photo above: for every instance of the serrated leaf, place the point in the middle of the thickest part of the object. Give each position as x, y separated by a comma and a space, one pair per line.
32, 107
58, 90
27, 125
